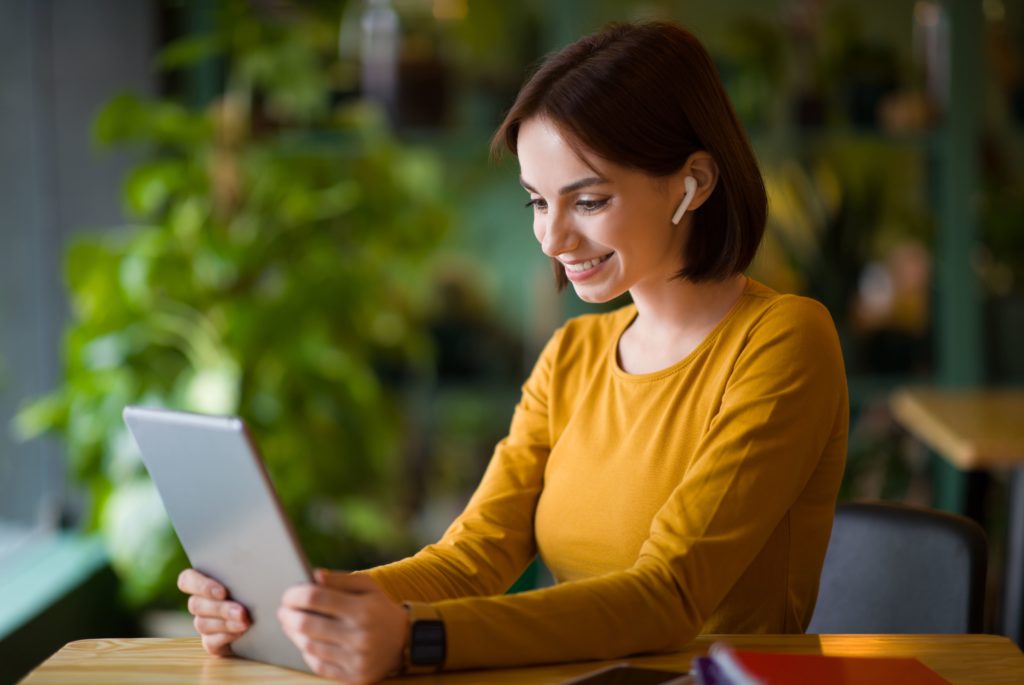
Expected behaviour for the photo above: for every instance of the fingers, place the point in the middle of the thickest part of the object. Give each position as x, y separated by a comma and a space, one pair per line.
218, 621
357, 637
302, 623
218, 634
231, 611
319, 599
211, 626
329, 661
192, 582
219, 644
330, 669
357, 583
303, 628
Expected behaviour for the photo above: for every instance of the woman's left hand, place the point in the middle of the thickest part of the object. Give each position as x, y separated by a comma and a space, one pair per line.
346, 627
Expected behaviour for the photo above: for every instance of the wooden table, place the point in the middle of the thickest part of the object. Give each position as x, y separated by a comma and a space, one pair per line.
961, 659
976, 429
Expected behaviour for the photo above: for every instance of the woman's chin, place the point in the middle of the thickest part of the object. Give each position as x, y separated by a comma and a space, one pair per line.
594, 295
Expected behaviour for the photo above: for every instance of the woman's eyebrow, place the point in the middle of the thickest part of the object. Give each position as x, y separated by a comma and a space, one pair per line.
575, 185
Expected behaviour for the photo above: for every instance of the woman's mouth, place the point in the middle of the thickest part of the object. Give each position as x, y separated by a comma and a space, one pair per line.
583, 270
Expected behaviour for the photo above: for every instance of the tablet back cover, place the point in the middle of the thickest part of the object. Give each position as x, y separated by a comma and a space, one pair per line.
227, 516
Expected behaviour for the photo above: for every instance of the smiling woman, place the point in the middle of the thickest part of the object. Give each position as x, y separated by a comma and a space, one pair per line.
669, 117
675, 463
607, 234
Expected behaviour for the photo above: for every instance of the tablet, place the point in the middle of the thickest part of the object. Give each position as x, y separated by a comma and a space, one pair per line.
227, 516
624, 674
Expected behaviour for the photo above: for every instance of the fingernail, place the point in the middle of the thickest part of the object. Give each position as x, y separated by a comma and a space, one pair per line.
235, 626
236, 612
218, 593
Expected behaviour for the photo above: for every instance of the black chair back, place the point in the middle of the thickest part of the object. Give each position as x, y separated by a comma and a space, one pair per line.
892, 568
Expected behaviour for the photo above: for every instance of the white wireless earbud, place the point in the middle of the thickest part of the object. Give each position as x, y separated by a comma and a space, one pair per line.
691, 189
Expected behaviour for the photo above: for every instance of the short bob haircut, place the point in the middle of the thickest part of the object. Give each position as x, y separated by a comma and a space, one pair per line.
647, 96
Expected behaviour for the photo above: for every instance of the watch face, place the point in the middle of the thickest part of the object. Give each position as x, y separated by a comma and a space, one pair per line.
426, 646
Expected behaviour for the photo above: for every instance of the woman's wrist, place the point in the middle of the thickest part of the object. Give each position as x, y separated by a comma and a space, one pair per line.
425, 639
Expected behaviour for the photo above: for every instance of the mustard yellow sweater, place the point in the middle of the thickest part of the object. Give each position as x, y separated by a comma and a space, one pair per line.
695, 499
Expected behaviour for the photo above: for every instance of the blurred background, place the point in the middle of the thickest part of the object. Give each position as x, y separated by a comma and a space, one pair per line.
285, 209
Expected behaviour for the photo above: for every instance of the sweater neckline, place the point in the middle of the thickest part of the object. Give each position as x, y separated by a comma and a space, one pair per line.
613, 354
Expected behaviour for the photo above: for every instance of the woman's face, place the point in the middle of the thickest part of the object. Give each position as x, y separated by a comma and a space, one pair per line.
611, 230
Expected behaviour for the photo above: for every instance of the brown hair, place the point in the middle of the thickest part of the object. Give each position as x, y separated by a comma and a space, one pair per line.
647, 96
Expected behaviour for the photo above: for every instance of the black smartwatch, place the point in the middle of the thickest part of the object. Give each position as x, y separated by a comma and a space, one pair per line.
426, 646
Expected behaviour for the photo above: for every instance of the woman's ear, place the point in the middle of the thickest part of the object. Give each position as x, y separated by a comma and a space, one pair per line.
702, 167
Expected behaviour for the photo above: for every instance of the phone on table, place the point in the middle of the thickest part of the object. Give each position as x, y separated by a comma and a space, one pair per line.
624, 674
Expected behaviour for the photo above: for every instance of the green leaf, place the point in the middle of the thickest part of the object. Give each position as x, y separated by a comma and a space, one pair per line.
338, 199
44, 415
134, 276
119, 120
83, 259
129, 119
367, 521
150, 186
187, 218
419, 175
175, 125
188, 51
92, 269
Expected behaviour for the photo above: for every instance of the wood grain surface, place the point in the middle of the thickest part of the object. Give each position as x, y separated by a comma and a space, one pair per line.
972, 429
961, 659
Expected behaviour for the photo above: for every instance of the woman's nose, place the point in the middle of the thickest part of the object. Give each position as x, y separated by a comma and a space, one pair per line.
555, 235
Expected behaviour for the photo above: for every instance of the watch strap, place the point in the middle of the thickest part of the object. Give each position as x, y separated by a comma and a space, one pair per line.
426, 644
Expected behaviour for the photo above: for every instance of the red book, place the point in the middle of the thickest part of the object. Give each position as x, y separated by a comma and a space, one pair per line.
815, 669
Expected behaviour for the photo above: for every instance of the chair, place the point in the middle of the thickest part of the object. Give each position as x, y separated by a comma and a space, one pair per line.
893, 568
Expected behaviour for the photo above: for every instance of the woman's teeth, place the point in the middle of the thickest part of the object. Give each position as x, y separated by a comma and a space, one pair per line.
583, 266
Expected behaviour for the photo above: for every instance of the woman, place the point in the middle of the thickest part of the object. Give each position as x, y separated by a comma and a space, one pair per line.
676, 462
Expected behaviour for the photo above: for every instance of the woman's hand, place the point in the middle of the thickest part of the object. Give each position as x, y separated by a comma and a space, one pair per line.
218, 620
346, 627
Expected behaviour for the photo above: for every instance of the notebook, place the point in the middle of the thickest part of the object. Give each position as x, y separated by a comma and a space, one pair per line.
808, 669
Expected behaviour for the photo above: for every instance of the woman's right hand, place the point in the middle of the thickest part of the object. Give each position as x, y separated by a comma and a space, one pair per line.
219, 620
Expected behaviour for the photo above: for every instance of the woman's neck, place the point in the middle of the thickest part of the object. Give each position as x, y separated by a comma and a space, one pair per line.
677, 308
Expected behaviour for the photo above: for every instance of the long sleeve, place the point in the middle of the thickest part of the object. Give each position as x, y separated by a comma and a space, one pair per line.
782, 407
490, 544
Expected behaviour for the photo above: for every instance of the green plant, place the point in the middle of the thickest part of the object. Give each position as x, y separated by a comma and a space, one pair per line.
274, 268
753, 68
1002, 211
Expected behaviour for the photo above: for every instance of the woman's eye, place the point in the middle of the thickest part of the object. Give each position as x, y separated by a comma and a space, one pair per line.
537, 203
589, 206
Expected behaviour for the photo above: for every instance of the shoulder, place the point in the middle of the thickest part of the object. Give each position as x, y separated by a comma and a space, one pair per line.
791, 335
772, 314
787, 347
585, 340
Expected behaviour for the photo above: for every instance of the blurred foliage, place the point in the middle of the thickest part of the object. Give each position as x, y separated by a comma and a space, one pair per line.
753, 65
882, 460
1001, 264
275, 269
844, 205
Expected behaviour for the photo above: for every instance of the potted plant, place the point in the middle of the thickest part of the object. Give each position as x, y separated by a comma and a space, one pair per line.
274, 268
